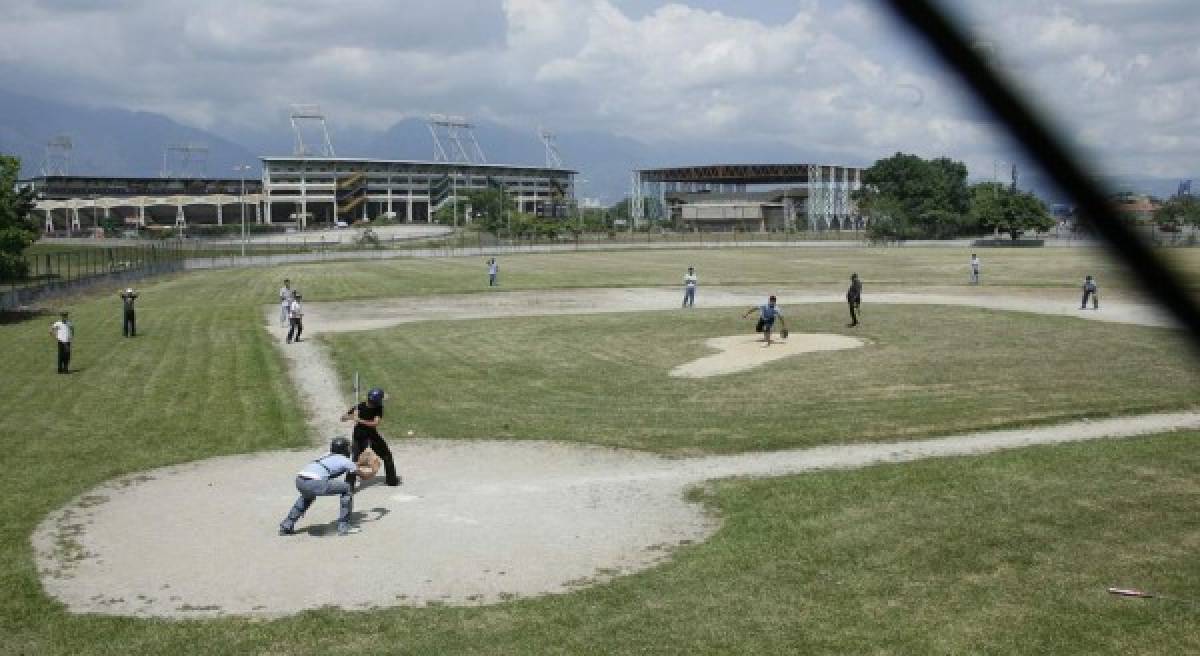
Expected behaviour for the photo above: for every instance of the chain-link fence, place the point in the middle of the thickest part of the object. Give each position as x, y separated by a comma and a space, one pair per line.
58, 273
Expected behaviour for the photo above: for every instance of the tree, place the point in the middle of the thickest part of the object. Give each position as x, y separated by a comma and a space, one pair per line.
444, 215
886, 219
17, 229
928, 196
1178, 210
492, 208
998, 207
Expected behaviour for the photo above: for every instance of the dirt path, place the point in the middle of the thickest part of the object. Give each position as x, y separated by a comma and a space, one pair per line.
475, 521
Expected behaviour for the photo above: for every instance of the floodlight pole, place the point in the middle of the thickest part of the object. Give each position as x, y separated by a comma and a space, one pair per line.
241, 169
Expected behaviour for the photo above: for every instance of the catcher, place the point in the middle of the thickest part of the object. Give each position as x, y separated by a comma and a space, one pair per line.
319, 479
767, 314
367, 417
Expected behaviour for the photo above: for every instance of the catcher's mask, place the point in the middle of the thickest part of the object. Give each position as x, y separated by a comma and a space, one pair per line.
340, 445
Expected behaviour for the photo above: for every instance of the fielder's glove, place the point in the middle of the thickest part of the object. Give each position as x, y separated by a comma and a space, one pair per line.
784, 334
368, 464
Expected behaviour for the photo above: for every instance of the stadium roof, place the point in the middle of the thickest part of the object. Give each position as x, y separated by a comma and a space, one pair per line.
415, 162
735, 173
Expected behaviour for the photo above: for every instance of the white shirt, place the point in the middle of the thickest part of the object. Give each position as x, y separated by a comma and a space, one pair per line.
62, 330
294, 310
285, 294
493, 268
975, 263
689, 280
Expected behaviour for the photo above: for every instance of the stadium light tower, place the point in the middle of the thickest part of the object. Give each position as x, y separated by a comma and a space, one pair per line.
57, 160
308, 114
550, 141
184, 160
241, 169
454, 130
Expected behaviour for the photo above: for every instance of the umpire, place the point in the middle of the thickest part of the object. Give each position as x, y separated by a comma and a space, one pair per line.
366, 417
854, 299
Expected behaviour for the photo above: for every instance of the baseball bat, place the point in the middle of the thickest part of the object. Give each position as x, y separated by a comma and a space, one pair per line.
1142, 594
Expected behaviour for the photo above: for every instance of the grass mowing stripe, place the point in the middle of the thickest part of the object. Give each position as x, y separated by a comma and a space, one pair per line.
926, 371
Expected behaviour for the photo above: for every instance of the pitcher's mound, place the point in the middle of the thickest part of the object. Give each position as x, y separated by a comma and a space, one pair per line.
742, 352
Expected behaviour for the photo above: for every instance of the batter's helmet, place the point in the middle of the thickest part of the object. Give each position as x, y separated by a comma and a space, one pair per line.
340, 445
375, 395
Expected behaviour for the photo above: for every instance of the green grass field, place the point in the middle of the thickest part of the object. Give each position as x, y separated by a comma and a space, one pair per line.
1005, 554
925, 371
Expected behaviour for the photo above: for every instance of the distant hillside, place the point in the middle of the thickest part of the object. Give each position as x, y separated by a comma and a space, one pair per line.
105, 141
121, 142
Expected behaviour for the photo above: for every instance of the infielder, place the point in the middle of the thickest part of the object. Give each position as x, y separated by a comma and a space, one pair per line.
296, 318
286, 295
766, 319
493, 271
689, 288
1090, 289
974, 269
318, 479
367, 416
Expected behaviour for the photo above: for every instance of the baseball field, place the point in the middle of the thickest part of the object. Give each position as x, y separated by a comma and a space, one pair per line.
968, 476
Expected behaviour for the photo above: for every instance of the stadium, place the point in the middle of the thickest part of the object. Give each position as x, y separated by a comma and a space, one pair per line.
299, 191
312, 186
751, 197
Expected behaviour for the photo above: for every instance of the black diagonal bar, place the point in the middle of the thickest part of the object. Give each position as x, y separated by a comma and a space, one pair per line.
1056, 159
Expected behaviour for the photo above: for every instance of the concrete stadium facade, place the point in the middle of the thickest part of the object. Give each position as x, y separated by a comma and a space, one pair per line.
297, 191
321, 190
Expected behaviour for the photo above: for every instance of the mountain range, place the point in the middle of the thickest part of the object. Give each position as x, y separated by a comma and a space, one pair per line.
119, 142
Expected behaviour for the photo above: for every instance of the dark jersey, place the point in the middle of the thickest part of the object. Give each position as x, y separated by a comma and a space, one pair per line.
854, 294
127, 302
367, 413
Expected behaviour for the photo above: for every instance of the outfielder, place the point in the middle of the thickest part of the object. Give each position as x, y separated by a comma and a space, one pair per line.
318, 479
854, 299
63, 331
766, 320
129, 323
367, 417
974, 269
689, 288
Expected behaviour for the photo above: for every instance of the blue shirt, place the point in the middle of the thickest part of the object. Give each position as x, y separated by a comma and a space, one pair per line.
768, 312
335, 464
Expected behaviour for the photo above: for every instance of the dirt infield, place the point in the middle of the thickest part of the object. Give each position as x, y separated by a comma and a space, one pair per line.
744, 352
475, 522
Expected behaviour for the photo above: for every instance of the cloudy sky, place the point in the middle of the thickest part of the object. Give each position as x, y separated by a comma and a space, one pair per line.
837, 76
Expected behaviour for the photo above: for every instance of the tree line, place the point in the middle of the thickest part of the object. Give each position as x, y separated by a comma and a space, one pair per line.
907, 197
18, 229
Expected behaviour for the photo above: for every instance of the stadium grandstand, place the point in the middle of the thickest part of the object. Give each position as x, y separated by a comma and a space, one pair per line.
298, 191
79, 204
749, 197
327, 189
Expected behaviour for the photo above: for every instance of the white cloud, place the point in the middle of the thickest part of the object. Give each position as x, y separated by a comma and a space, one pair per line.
820, 75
